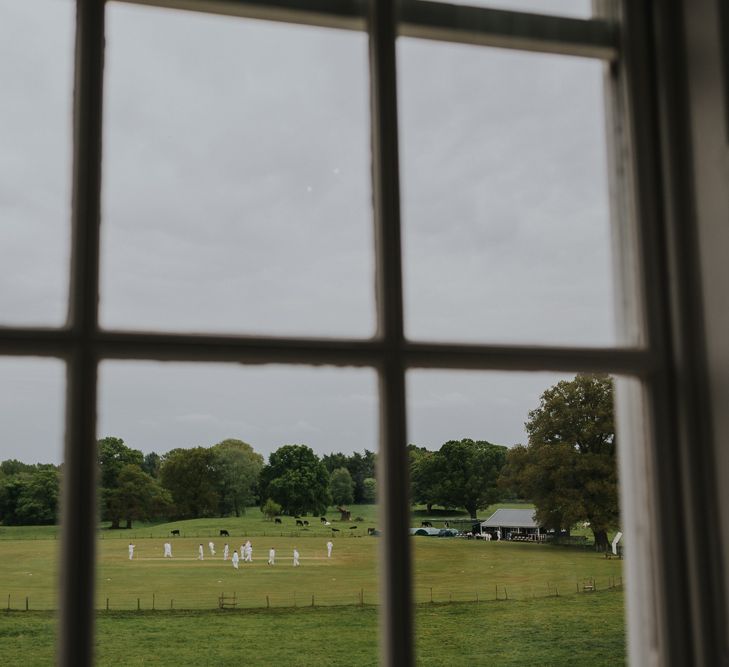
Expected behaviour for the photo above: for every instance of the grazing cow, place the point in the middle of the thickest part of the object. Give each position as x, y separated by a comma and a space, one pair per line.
175, 532
426, 524
335, 530
306, 523
370, 531
323, 519
299, 522
353, 527
327, 523
224, 533
277, 520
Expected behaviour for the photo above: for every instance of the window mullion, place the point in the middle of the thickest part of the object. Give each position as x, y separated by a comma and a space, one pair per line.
394, 488
79, 516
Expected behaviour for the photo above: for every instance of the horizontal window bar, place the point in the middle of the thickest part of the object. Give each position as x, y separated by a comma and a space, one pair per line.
338, 352
591, 38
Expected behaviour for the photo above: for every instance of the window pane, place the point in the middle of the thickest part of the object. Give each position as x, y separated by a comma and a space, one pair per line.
31, 452
236, 177
515, 539
198, 436
505, 204
36, 77
574, 8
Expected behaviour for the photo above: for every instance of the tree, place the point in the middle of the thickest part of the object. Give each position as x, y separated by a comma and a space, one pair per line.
236, 470
113, 456
370, 490
341, 487
425, 476
137, 496
568, 468
270, 509
469, 472
296, 479
188, 474
151, 464
30, 498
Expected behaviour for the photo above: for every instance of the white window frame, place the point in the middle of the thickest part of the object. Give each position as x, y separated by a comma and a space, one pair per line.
675, 586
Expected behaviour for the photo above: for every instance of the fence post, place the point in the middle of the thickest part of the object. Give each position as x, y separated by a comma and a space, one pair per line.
138, 606
26, 603
312, 599
171, 603
431, 594
107, 604
497, 592
8, 601
152, 601
506, 594
268, 603
361, 597
450, 597
476, 597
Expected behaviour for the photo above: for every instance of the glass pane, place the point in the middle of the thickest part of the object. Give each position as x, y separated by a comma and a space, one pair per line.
31, 452
515, 520
36, 77
581, 9
236, 177
505, 204
200, 461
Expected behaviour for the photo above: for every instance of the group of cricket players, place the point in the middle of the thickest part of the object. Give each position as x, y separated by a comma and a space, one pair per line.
246, 553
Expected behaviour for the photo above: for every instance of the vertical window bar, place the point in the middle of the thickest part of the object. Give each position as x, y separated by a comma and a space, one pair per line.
396, 619
79, 484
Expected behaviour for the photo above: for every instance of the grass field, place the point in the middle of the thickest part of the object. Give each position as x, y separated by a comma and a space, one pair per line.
486, 596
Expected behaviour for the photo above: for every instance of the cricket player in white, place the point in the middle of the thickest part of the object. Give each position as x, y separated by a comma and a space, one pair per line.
271, 556
168, 550
330, 546
226, 551
235, 560
131, 551
249, 552
296, 558
211, 546
200, 553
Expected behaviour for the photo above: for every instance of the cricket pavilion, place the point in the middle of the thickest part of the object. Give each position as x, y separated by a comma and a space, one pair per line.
519, 525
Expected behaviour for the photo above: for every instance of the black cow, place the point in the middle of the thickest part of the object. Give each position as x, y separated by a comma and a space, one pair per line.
175, 532
353, 527
224, 533
370, 531
426, 524
306, 523
335, 530
277, 520
299, 522
323, 519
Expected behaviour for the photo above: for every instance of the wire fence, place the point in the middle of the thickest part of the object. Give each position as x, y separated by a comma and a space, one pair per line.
17, 600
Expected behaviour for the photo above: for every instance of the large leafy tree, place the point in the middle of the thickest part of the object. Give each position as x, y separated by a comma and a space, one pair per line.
30, 497
137, 496
360, 467
296, 479
341, 486
113, 456
189, 476
236, 470
425, 475
469, 473
569, 468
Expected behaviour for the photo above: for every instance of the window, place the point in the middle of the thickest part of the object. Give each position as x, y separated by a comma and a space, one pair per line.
676, 602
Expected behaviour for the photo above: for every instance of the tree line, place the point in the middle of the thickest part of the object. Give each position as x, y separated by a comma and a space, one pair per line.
567, 469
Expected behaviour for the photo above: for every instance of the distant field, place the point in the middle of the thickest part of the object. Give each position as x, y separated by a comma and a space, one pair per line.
499, 591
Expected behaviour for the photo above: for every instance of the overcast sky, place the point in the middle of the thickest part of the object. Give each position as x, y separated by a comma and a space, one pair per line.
237, 199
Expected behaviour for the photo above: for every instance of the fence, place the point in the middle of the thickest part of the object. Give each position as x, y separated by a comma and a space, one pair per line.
422, 595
